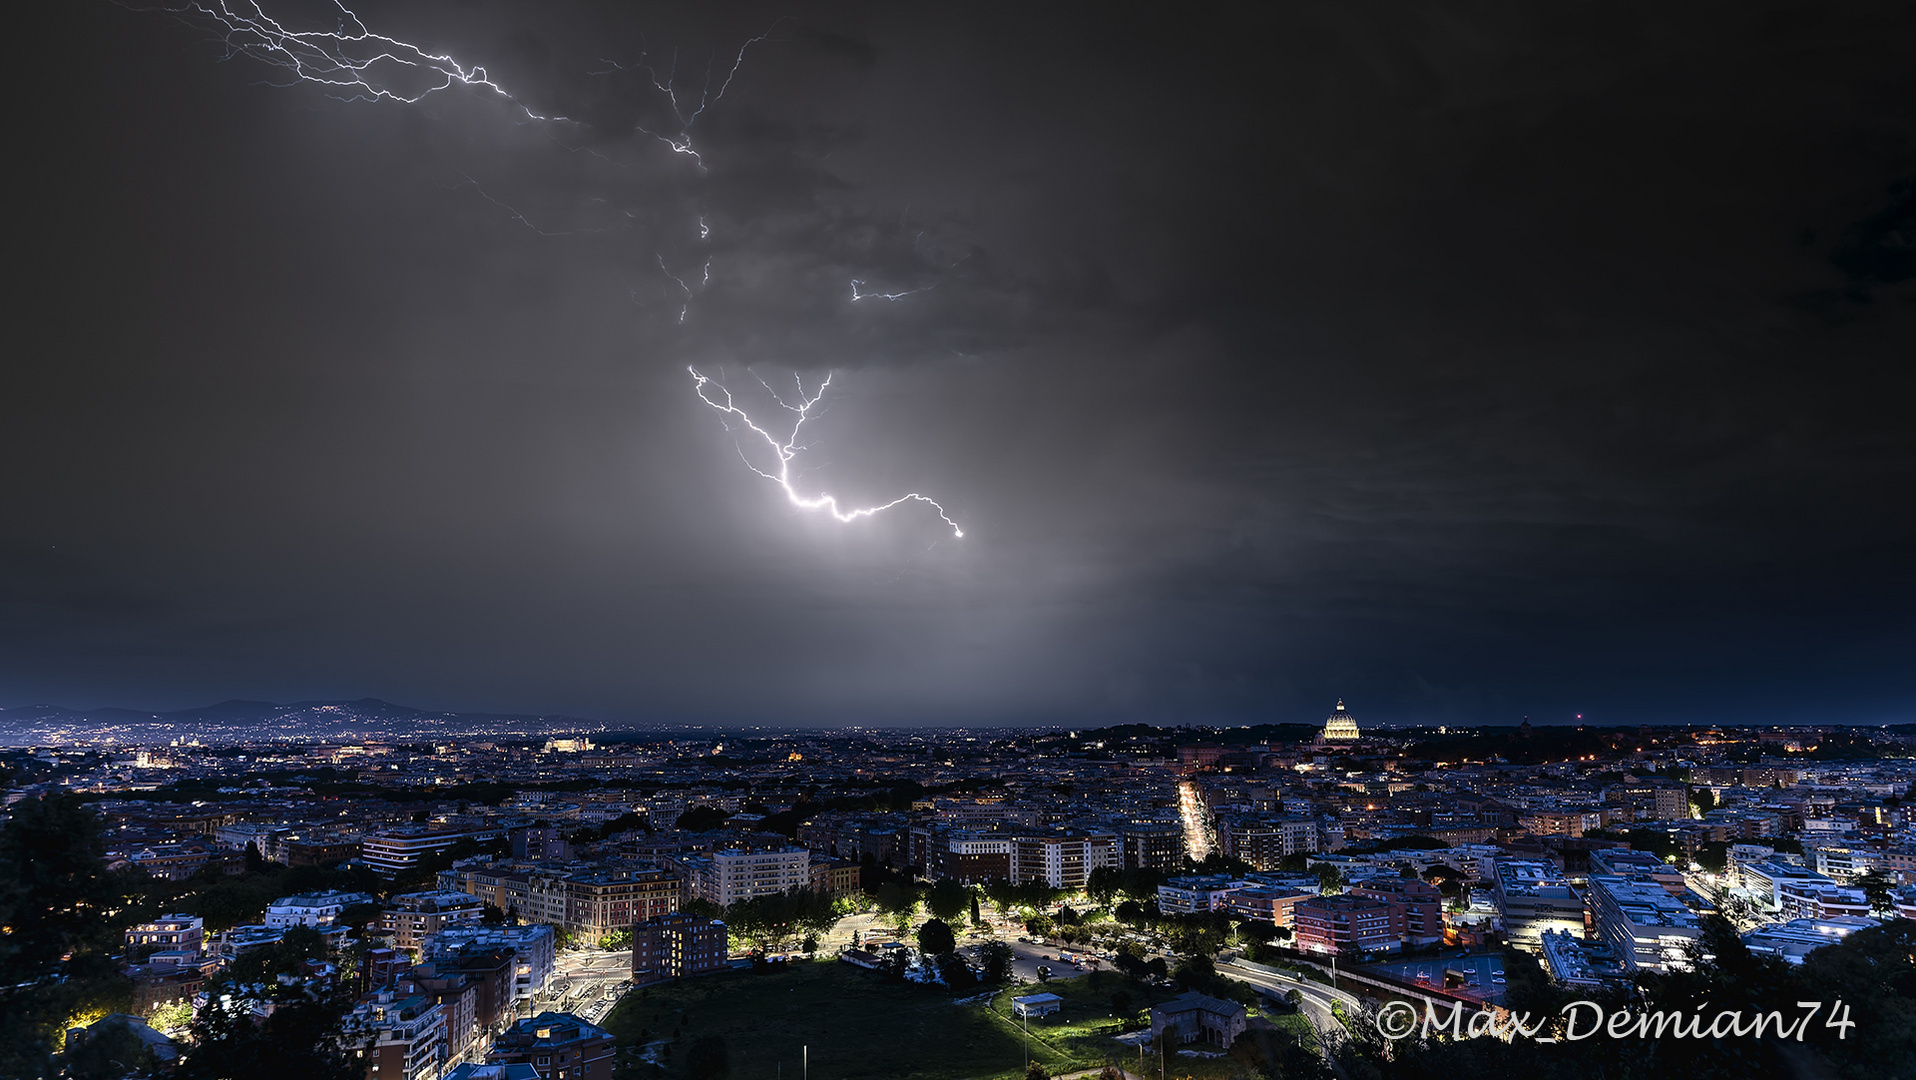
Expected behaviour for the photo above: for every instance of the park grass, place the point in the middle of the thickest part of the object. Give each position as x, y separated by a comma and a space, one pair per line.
858, 1024
861, 1026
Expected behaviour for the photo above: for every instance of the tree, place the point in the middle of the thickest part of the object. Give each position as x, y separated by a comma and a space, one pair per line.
977, 918
708, 1059
617, 939
898, 903
54, 888
1877, 886
1121, 1003
936, 939
1702, 800
1330, 879
994, 960
1035, 1071
947, 900
109, 1051
701, 818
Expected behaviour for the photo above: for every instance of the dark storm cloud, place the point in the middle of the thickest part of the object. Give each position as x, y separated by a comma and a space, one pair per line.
1463, 362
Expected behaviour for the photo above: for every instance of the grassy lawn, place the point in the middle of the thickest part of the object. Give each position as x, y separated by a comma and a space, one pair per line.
861, 1027
858, 1025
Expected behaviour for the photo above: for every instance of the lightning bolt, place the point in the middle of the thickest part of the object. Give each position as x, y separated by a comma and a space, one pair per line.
857, 295
784, 450
359, 65
349, 58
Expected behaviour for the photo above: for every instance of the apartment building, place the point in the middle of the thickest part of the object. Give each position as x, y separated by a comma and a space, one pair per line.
1647, 928
1062, 860
601, 901
1346, 923
559, 1045
1151, 844
677, 945
726, 877
410, 918
408, 1036
533, 950
1420, 902
170, 933
395, 850
320, 909
1533, 897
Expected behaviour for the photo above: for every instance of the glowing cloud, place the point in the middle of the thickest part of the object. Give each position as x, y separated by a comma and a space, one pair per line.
718, 397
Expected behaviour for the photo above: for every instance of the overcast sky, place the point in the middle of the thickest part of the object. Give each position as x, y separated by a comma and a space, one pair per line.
1467, 362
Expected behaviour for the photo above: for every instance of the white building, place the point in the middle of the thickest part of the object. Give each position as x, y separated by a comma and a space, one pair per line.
1189, 894
1797, 938
535, 951
1647, 928
726, 877
317, 910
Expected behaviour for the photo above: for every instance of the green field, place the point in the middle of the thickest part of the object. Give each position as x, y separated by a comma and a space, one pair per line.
860, 1026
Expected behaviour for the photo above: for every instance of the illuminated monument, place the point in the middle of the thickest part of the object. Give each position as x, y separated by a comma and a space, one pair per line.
1341, 727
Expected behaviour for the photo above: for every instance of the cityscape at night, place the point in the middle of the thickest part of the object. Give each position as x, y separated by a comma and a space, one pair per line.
690, 541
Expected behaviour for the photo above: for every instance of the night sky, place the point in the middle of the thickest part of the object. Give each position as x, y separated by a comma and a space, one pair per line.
1467, 362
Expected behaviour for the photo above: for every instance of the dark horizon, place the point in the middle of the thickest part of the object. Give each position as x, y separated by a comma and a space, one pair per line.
1467, 365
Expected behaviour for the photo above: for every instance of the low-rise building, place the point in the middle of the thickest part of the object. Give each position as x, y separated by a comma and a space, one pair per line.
559, 1045
170, 933
410, 918
1194, 1017
1208, 892
1533, 897
1793, 940
318, 910
1271, 903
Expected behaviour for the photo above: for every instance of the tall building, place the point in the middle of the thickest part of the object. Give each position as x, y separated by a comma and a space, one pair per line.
1420, 901
728, 876
1646, 927
1347, 923
1062, 860
676, 945
1151, 844
1341, 726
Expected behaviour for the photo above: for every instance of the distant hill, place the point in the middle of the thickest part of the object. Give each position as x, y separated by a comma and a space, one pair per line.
237, 720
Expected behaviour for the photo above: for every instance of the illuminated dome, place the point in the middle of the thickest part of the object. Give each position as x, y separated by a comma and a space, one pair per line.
1341, 727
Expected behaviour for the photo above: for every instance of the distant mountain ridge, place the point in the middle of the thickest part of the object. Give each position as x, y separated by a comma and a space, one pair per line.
233, 717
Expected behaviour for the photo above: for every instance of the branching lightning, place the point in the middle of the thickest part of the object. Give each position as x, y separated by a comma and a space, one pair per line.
354, 64
718, 397
858, 295
350, 58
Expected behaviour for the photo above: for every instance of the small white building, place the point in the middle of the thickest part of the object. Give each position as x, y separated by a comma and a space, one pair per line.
318, 910
1036, 1005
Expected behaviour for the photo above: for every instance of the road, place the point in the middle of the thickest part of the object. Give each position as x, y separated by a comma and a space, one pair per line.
1316, 1001
581, 979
